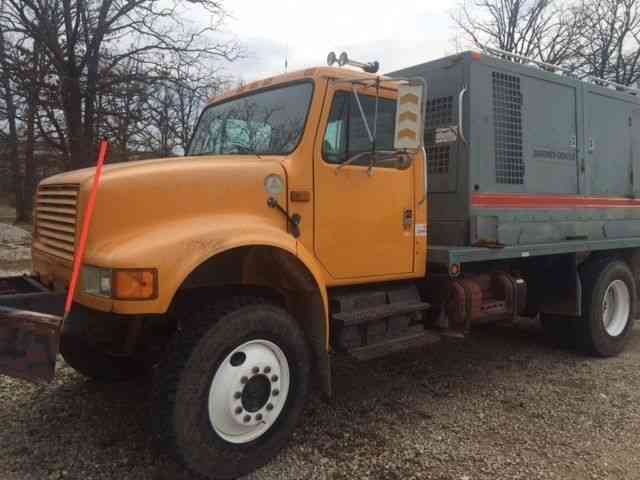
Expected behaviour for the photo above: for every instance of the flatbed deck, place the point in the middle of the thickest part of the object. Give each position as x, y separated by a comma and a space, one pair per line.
447, 256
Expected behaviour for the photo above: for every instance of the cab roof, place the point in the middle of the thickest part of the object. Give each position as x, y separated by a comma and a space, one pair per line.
334, 73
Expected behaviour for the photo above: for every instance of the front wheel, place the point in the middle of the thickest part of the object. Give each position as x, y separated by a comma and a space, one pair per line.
229, 395
609, 299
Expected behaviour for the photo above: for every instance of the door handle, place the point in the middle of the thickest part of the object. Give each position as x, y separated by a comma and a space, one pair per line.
407, 218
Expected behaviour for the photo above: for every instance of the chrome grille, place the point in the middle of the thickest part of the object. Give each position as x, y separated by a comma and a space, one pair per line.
55, 215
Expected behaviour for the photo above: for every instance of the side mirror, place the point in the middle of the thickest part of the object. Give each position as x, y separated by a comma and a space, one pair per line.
409, 121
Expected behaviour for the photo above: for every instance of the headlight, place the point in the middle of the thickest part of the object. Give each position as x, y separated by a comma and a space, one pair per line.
96, 281
121, 283
135, 284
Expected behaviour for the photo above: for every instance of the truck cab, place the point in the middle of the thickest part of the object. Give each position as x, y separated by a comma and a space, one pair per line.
160, 220
291, 187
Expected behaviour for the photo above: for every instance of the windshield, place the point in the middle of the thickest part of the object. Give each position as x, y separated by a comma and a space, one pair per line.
263, 123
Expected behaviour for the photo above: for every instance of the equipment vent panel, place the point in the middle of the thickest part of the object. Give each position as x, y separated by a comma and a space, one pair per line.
507, 115
439, 112
438, 159
439, 115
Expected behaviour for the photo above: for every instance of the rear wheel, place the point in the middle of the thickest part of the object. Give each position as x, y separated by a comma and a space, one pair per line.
230, 393
609, 299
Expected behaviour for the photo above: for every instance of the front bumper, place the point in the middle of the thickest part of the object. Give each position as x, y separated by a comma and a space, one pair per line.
55, 274
30, 329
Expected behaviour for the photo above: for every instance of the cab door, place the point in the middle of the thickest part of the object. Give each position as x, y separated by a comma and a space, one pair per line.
363, 213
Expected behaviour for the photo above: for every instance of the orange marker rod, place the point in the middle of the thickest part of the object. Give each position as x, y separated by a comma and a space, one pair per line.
103, 151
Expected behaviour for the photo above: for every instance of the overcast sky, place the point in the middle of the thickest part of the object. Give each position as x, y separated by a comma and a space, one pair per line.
403, 33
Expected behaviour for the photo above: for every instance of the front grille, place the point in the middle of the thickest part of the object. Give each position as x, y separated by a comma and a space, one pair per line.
55, 219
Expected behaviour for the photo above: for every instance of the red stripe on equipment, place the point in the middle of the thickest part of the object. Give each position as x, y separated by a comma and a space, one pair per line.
103, 151
501, 200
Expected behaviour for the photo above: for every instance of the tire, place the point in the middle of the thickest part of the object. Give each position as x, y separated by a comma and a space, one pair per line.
218, 376
560, 330
609, 298
92, 362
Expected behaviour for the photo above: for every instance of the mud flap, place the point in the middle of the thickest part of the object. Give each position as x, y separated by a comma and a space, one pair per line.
29, 344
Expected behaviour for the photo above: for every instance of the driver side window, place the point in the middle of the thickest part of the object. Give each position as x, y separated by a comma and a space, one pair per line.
346, 134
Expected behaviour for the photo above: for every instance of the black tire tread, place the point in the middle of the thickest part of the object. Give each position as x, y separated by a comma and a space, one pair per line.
169, 372
587, 334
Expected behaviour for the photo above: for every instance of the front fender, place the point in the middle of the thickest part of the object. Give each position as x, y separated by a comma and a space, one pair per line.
177, 249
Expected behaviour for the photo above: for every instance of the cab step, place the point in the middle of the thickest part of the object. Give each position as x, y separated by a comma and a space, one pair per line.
398, 344
381, 312
379, 319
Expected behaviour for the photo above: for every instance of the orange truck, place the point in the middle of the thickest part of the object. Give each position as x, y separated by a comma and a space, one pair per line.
295, 226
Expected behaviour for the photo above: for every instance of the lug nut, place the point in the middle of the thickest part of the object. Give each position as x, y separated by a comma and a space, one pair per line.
259, 417
244, 380
237, 395
274, 378
238, 410
255, 370
269, 406
275, 392
267, 369
247, 418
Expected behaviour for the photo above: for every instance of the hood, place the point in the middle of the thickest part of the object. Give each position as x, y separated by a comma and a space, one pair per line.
143, 166
136, 197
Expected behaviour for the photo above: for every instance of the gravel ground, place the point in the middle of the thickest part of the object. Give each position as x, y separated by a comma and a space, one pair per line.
15, 253
503, 404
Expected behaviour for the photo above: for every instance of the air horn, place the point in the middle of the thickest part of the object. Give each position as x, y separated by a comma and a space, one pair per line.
343, 59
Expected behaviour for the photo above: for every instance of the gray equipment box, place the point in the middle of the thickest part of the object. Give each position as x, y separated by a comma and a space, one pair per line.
518, 156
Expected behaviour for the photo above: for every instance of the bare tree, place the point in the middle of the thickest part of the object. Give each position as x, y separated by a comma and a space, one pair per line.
84, 41
175, 96
540, 29
8, 96
610, 40
30, 71
121, 105
192, 86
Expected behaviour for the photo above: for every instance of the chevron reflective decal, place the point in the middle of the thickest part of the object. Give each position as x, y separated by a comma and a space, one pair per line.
409, 98
408, 117
407, 133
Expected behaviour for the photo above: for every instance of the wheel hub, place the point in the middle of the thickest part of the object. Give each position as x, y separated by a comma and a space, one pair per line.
256, 393
248, 391
616, 308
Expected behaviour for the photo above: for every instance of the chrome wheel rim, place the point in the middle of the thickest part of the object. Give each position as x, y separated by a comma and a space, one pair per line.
248, 391
616, 307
